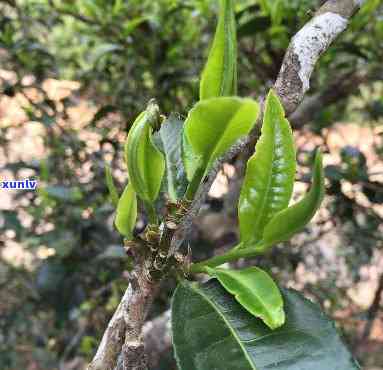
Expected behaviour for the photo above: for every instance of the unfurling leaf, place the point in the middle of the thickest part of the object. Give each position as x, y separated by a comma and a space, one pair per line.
293, 219
211, 330
254, 290
146, 164
219, 77
270, 173
126, 212
212, 127
171, 133
113, 193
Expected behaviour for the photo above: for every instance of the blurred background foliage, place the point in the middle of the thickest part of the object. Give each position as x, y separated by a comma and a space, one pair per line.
74, 74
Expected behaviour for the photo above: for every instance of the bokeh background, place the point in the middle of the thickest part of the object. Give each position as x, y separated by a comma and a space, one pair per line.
74, 74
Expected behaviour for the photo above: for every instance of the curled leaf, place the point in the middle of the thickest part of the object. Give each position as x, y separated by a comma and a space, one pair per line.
270, 173
293, 219
254, 290
146, 163
171, 133
219, 77
126, 215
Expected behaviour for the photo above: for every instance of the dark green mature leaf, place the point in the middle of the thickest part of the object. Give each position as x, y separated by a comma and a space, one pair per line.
219, 77
254, 290
269, 179
126, 212
293, 219
171, 133
146, 164
211, 331
113, 193
213, 126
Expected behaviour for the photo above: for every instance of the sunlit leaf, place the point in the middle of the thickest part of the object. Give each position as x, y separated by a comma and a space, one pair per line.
213, 126
254, 290
146, 163
219, 77
269, 179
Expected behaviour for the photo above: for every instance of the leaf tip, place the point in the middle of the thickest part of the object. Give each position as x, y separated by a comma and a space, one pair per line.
273, 100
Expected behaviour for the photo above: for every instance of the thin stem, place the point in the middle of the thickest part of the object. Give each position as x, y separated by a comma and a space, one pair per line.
194, 184
151, 212
232, 255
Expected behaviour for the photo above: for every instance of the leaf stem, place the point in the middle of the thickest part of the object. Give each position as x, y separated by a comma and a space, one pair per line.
194, 184
230, 256
151, 212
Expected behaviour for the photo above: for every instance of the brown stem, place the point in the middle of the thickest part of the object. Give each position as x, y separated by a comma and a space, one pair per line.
125, 327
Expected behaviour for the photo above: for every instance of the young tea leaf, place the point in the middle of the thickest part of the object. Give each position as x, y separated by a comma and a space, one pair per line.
269, 179
293, 219
190, 160
146, 164
254, 290
113, 193
219, 77
126, 215
171, 133
213, 126
210, 330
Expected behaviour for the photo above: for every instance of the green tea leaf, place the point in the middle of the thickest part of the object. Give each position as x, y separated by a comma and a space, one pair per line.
213, 126
219, 77
190, 160
211, 330
126, 215
146, 164
113, 193
256, 291
269, 179
171, 133
293, 219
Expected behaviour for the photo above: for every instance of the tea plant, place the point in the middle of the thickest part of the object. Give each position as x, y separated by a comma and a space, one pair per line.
240, 318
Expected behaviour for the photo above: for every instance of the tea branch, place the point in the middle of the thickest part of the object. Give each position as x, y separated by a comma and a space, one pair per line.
124, 332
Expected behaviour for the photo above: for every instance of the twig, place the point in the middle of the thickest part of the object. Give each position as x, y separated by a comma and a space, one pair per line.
124, 329
157, 340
